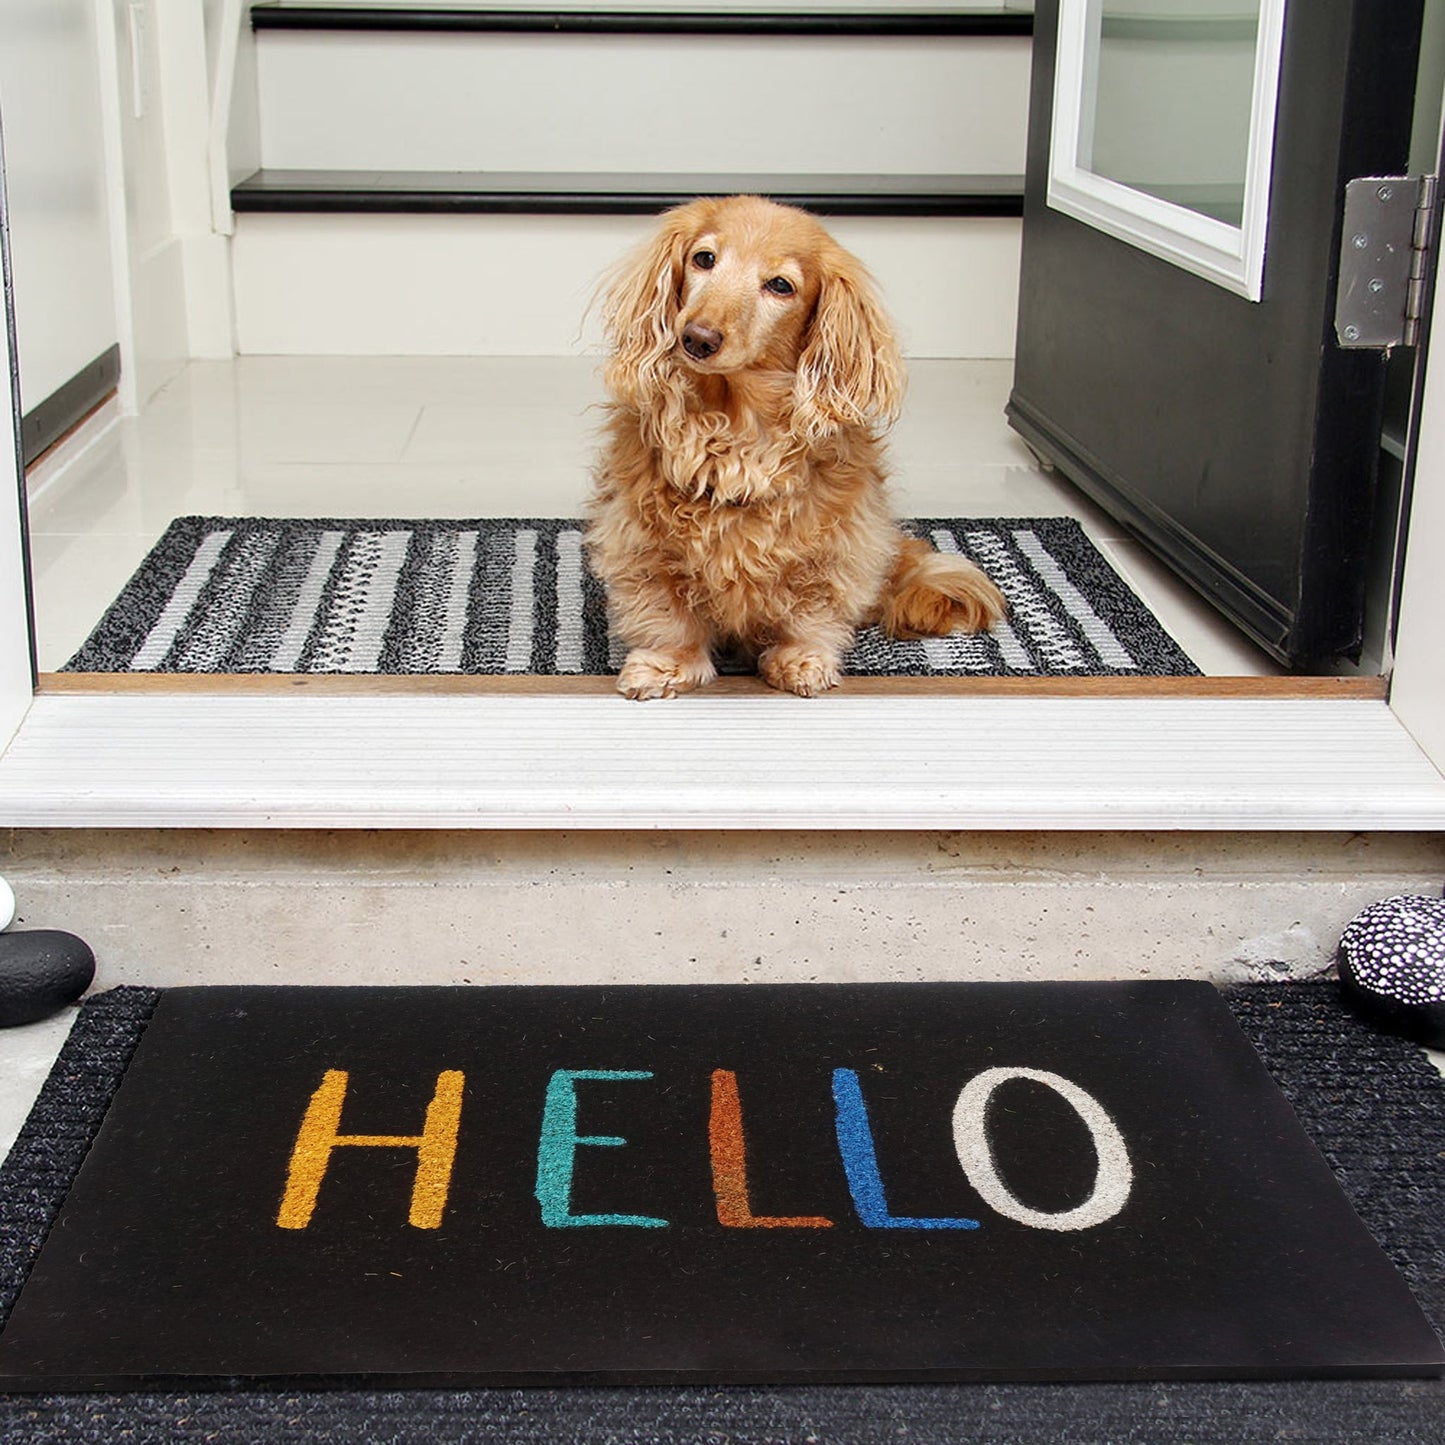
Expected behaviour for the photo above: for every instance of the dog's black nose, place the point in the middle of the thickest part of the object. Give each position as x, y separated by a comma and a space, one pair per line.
700, 341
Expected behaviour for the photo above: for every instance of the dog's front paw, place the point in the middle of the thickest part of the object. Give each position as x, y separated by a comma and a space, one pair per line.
647, 675
800, 670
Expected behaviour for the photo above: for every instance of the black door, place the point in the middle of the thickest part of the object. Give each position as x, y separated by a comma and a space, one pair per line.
1235, 437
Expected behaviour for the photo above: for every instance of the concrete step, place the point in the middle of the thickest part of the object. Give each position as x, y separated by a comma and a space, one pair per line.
176, 907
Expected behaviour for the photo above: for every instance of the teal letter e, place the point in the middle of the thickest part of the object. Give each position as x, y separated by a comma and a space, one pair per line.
557, 1151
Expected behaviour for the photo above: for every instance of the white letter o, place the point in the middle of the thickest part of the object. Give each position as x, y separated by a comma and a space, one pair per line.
1112, 1183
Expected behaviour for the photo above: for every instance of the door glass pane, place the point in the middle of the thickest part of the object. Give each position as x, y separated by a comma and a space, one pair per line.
1168, 99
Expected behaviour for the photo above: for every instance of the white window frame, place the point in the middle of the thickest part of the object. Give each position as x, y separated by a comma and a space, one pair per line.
1229, 256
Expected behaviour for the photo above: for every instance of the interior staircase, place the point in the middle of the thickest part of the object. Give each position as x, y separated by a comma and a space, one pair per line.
490, 164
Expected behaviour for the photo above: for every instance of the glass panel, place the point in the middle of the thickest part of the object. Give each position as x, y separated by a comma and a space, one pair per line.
1168, 99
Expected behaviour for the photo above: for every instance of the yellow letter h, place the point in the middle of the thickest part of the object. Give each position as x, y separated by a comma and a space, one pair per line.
436, 1147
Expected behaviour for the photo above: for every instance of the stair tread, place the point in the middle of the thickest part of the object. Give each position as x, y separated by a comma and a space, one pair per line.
844, 20
272, 189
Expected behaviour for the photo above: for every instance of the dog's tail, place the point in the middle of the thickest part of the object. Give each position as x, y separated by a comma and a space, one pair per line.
931, 594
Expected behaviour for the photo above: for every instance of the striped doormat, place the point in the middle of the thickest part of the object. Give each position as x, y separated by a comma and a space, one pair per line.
515, 596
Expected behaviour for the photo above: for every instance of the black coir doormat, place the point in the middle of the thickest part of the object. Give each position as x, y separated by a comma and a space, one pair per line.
515, 596
727, 1184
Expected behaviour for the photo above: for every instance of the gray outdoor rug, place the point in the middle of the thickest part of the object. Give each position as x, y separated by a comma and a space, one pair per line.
515, 596
1372, 1103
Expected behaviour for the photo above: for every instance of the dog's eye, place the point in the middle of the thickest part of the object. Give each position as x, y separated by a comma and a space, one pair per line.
704, 260
779, 286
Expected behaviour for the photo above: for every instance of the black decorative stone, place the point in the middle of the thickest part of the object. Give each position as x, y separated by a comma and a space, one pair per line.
772, 1183
41, 970
1392, 966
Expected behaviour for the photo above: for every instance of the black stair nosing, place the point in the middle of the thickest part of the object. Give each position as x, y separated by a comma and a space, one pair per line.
581, 21
525, 193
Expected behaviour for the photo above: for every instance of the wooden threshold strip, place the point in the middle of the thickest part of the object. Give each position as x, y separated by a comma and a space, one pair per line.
173, 684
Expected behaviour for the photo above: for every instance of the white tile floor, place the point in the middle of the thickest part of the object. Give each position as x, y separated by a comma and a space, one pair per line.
440, 437
26, 1055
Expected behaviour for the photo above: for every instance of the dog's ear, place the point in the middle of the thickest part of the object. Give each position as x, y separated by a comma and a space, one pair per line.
640, 307
850, 372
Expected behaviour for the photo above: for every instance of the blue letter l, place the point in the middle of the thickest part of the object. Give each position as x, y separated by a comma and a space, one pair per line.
860, 1162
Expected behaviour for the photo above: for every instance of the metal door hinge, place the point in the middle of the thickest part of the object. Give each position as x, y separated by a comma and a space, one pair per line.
1384, 255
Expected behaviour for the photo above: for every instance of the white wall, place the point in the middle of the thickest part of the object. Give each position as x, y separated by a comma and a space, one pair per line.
188, 38
175, 275
212, 15
1417, 692
65, 299
105, 105
153, 290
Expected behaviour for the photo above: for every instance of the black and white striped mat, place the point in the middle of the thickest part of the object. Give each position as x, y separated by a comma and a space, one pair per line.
252, 595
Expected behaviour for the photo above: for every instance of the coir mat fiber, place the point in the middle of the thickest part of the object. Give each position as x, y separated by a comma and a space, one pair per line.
1372, 1104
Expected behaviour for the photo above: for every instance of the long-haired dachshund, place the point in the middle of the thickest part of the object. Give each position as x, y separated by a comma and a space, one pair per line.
740, 503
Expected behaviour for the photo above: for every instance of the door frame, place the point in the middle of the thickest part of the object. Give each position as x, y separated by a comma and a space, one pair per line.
293, 757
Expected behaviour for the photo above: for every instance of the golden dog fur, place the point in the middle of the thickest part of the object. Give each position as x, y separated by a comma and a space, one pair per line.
740, 500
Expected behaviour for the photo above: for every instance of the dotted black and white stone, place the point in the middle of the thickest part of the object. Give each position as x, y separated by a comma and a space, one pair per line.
1392, 966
